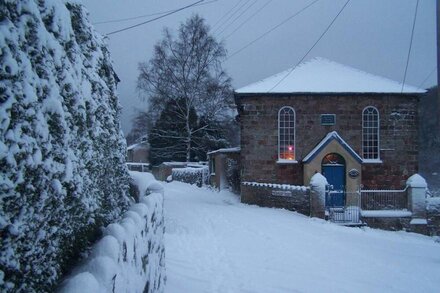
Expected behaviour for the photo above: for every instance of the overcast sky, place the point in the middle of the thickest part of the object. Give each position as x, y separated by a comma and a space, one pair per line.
371, 35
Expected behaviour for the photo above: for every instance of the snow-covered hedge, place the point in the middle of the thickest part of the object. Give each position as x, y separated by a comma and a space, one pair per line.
433, 215
62, 152
199, 175
131, 255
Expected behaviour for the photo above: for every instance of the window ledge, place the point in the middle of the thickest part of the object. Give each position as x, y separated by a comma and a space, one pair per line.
372, 161
283, 161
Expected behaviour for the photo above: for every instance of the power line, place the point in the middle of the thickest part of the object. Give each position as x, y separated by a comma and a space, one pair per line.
131, 18
238, 16
232, 15
151, 20
249, 18
270, 30
317, 41
427, 77
223, 16
145, 15
410, 45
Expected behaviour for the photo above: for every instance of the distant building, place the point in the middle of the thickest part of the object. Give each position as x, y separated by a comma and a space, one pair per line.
138, 152
164, 170
138, 156
224, 168
355, 128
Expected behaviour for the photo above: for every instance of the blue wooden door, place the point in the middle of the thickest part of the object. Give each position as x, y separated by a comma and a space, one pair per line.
335, 175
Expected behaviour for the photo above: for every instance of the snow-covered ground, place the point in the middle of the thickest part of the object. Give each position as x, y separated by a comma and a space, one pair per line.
216, 244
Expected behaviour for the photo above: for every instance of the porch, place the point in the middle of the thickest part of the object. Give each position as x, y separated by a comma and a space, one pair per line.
403, 209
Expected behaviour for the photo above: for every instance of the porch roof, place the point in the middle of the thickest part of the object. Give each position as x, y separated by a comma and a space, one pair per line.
225, 150
325, 141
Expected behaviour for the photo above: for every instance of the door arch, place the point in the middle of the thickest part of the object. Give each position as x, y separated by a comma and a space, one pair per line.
333, 168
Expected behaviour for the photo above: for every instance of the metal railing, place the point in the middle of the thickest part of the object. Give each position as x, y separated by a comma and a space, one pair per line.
345, 215
365, 200
384, 199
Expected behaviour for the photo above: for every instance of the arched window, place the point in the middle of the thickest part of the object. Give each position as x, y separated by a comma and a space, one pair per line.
286, 134
370, 133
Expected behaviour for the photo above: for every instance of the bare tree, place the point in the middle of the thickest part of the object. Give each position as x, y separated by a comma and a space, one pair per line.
188, 69
141, 126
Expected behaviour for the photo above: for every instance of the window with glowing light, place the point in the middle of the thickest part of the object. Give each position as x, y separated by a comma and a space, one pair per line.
370, 133
286, 134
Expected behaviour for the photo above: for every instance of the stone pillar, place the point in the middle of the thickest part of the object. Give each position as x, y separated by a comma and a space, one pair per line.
317, 195
417, 187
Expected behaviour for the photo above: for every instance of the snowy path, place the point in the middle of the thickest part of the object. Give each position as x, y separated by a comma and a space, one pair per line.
216, 244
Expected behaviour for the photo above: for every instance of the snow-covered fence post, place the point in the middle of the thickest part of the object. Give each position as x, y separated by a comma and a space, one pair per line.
317, 195
417, 188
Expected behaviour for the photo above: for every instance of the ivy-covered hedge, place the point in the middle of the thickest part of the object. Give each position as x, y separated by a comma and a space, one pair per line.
62, 152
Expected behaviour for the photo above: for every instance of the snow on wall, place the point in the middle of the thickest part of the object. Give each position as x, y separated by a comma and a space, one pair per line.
274, 185
130, 257
386, 213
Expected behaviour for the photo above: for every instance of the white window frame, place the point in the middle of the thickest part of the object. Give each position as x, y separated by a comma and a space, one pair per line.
293, 129
367, 157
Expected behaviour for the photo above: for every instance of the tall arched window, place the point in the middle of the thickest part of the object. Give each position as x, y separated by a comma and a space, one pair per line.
370, 133
286, 134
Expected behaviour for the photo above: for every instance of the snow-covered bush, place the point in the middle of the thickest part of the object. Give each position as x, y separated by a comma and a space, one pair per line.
433, 215
62, 153
131, 255
198, 176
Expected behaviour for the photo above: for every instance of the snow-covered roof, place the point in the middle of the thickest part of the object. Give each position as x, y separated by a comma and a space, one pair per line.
185, 164
175, 163
325, 141
320, 75
137, 145
226, 150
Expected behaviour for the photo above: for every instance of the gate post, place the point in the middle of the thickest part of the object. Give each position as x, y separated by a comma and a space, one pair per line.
317, 195
417, 187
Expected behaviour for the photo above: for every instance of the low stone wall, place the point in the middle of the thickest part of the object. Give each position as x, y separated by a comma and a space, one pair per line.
389, 223
433, 215
130, 257
290, 197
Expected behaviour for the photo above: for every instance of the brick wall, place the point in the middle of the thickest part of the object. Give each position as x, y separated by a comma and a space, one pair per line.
259, 134
267, 196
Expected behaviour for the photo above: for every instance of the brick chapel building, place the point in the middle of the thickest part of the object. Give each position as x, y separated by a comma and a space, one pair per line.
353, 127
